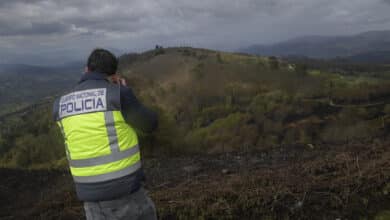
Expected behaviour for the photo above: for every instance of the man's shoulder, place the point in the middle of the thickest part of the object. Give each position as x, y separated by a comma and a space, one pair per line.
56, 103
56, 108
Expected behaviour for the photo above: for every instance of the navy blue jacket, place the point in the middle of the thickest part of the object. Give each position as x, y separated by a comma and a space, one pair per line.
140, 118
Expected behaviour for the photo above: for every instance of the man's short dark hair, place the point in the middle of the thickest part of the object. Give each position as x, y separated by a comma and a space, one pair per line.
102, 61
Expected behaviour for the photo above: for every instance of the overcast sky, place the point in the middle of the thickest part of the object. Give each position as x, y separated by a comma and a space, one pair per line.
45, 31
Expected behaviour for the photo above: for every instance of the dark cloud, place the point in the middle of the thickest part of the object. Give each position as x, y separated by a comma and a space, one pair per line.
33, 28
48, 25
126, 16
7, 3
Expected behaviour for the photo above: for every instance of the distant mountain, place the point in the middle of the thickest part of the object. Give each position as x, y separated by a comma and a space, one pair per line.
377, 57
24, 69
40, 70
369, 43
49, 57
23, 84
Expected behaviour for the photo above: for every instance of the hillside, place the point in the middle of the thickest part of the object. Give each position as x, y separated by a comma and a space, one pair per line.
329, 46
239, 136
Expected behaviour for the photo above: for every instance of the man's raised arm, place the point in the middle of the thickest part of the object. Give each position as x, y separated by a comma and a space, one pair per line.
135, 113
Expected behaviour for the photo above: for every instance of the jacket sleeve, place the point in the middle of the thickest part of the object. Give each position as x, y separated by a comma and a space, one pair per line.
135, 113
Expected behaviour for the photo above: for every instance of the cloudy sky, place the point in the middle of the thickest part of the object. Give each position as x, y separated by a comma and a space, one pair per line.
50, 31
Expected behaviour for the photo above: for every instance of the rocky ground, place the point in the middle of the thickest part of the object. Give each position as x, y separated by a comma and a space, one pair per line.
298, 182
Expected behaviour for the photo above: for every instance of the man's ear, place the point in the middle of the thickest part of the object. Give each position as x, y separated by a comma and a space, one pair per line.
113, 78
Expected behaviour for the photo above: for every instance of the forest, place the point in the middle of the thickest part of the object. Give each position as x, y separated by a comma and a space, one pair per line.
312, 119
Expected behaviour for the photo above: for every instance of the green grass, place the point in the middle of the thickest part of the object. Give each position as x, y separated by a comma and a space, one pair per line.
215, 102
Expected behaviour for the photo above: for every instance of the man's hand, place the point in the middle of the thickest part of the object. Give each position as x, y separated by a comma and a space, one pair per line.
116, 79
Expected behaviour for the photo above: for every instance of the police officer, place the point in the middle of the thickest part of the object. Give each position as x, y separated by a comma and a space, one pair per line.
100, 118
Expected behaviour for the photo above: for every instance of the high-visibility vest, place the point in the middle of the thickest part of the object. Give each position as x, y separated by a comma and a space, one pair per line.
100, 145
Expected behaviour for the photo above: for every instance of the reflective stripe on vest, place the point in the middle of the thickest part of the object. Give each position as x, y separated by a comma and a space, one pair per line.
116, 152
108, 176
111, 132
114, 156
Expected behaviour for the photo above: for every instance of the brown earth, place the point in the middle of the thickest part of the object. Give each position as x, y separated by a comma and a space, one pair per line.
300, 182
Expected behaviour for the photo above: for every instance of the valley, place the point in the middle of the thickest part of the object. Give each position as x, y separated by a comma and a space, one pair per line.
240, 136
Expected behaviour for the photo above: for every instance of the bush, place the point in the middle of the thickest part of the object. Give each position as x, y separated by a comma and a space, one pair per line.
233, 133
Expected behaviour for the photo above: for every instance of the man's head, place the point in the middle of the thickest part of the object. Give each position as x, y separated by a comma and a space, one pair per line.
102, 61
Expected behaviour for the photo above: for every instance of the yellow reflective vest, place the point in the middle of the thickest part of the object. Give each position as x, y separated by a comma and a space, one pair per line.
100, 145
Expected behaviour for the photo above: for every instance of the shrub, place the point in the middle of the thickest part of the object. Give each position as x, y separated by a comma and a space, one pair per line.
235, 132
